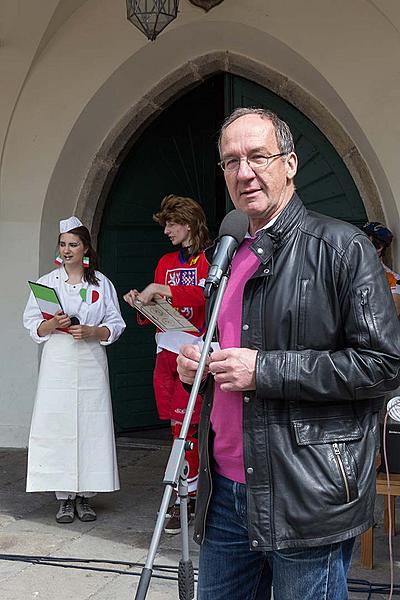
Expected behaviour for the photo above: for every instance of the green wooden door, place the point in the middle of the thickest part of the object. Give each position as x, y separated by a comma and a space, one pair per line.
177, 154
322, 181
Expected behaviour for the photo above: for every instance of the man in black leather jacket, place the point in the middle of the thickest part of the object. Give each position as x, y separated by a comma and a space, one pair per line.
310, 344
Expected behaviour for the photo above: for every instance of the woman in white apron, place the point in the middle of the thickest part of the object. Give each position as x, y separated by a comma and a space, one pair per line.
71, 442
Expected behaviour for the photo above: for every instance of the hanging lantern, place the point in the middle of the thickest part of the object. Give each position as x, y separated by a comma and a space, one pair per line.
206, 4
151, 16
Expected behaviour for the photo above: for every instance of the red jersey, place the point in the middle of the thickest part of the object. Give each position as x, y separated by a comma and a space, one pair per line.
186, 279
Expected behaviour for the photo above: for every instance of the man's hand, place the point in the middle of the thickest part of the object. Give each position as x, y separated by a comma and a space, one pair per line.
130, 297
147, 295
188, 363
234, 369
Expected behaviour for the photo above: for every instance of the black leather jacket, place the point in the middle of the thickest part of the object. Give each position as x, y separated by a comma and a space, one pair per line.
320, 313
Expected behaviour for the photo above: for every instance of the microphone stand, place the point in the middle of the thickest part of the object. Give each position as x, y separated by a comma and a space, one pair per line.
177, 470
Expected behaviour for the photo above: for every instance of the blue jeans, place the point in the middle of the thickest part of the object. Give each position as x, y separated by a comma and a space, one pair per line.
229, 570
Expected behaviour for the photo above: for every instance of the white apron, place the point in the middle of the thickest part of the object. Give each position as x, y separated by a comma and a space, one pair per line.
71, 443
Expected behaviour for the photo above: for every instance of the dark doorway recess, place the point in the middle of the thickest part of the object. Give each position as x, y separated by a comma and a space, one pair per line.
177, 154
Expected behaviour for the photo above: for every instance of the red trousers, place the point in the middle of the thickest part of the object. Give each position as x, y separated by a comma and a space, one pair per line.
172, 399
192, 456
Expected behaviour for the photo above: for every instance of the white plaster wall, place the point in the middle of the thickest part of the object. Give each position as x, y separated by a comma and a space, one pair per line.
92, 66
20, 34
21, 29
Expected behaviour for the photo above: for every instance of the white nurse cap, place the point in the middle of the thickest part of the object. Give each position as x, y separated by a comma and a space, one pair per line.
68, 224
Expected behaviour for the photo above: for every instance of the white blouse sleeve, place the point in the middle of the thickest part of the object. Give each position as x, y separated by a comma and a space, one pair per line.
112, 316
32, 318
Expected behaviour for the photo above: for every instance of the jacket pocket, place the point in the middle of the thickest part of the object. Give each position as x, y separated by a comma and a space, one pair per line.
347, 471
327, 444
302, 313
367, 317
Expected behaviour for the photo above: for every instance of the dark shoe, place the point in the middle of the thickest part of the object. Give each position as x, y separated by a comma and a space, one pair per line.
172, 501
84, 511
192, 504
173, 525
66, 512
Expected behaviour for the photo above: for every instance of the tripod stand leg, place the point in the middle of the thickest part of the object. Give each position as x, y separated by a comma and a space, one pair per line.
175, 468
145, 577
185, 570
186, 580
144, 583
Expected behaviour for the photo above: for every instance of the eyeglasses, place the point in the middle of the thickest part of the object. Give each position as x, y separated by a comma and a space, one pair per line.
258, 161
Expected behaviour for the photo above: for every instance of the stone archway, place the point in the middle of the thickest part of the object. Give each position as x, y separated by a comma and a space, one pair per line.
123, 135
177, 154
94, 192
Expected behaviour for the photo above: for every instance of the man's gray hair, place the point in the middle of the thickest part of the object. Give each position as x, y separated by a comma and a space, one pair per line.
283, 134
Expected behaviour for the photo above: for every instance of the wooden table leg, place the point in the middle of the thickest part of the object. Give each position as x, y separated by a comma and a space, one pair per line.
390, 499
367, 549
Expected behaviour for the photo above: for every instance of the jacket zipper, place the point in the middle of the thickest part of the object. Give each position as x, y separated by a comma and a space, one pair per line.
339, 459
264, 303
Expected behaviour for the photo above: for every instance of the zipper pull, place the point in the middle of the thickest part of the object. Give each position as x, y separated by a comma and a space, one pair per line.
364, 297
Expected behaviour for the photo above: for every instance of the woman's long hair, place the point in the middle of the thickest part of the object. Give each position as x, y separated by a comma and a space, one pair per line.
185, 211
89, 273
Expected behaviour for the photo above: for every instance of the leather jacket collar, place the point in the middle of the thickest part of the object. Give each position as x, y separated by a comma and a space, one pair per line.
269, 240
272, 238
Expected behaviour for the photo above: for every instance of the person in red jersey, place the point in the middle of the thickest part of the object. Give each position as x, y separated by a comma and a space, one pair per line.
179, 276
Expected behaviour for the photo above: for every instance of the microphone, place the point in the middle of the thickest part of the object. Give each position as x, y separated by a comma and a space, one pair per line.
233, 228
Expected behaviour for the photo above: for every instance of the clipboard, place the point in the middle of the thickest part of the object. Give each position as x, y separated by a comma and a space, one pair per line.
164, 316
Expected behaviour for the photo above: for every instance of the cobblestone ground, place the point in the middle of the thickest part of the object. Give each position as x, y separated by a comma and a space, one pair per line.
122, 532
